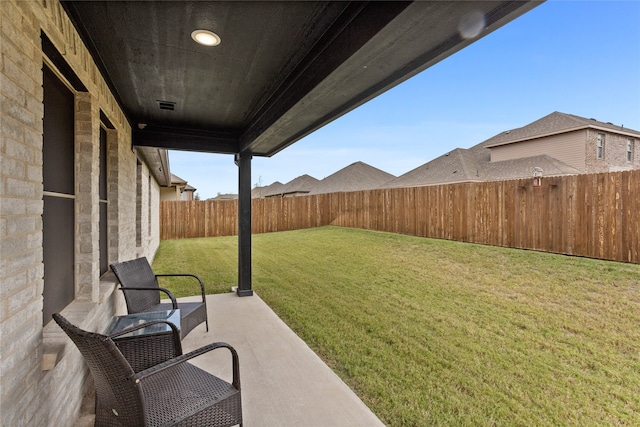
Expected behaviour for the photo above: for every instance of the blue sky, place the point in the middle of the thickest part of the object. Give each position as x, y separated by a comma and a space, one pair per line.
577, 57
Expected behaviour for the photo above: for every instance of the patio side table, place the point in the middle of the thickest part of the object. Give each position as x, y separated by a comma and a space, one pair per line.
148, 346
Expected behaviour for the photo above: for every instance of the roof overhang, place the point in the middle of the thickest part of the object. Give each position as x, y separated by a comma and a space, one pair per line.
282, 70
157, 160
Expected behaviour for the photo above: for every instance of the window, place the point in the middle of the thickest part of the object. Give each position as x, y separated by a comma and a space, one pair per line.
630, 144
149, 206
58, 218
600, 146
139, 203
103, 204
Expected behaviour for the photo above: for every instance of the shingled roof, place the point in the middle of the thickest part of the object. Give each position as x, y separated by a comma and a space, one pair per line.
271, 190
464, 166
355, 177
523, 168
552, 124
474, 164
458, 165
300, 185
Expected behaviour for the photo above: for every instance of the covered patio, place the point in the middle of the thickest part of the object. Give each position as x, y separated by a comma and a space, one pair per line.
269, 74
95, 93
284, 383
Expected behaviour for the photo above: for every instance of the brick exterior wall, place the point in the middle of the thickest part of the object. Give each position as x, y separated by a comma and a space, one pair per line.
153, 235
147, 211
615, 152
577, 149
43, 377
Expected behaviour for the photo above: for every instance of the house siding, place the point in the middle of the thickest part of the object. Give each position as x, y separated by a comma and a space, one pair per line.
567, 147
43, 376
170, 194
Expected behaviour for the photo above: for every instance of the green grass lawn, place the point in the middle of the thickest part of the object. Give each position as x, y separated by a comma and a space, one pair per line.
432, 332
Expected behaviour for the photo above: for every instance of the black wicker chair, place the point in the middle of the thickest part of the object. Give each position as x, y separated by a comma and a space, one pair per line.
142, 293
171, 393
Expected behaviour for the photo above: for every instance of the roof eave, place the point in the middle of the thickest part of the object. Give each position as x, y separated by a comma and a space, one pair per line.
559, 132
157, 160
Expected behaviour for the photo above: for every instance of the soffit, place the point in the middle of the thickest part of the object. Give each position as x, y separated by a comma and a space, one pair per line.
282, 70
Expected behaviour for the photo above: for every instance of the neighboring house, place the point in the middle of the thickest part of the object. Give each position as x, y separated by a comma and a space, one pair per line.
226, 197
257, 192
74, 198
557, 144
588, 145
189, 193
272, 190
474, 165
178, 190
299, 186
355, 177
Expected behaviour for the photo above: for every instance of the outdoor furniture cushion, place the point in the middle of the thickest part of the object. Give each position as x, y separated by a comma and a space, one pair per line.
142, 293
173, 392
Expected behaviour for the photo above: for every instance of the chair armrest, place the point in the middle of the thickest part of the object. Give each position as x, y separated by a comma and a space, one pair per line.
186, 275
174, 302
198, 352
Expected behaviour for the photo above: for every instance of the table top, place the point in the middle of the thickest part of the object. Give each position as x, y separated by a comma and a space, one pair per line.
119, 323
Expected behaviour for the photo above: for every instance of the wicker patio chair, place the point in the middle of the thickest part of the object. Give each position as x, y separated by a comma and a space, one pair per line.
171, 393
142, 293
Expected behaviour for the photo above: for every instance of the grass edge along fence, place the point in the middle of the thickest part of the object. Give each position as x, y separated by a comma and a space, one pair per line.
591, 215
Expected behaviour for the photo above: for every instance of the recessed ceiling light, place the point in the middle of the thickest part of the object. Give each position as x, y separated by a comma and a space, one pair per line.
205, 37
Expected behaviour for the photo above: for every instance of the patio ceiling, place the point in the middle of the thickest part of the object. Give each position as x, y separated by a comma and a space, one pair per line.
281, 71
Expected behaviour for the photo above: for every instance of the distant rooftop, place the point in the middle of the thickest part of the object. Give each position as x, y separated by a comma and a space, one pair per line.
474, 164
300, 185
458, 165
269, 190
552, 124
355, 177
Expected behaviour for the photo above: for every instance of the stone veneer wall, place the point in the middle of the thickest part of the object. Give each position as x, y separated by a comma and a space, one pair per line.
43, 377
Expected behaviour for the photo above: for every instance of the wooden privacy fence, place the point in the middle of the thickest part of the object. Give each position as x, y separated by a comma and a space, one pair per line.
594, 215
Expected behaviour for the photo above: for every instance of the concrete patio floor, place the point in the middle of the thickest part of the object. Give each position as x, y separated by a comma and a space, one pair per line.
284, 383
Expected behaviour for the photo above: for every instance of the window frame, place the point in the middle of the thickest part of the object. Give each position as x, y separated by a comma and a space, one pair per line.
55, 295
600, 141
103, 200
